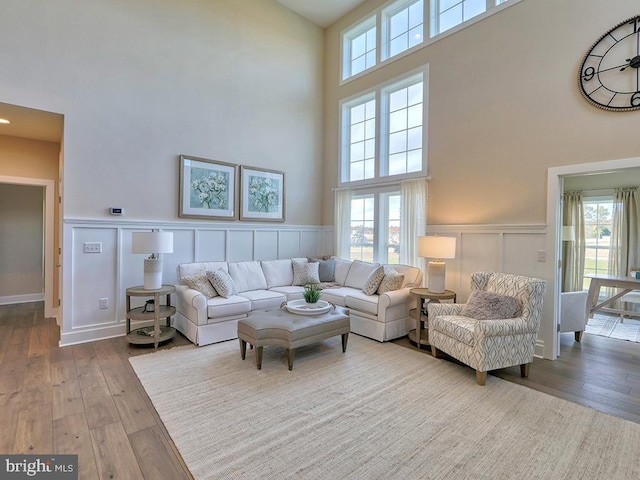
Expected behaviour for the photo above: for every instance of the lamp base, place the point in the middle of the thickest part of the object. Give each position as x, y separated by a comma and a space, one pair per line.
152, 273
436, 272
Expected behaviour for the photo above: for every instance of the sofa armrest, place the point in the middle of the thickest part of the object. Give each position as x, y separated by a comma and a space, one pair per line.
191, 304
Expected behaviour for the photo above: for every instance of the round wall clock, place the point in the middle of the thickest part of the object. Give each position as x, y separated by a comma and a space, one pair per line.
610, 73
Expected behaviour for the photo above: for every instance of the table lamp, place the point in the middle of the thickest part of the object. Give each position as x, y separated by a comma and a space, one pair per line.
154, 243
437, 248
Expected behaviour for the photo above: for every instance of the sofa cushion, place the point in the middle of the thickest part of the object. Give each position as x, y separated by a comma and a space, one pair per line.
304, 273
359, 273
373, 281
277, 273
292, 292
412, 275
341, 270
455, 326
337, 295
220, 307
185, 269
483, 305
223, 283
358, 300
326, 268
264, 298
200, 282
392, 280
247, 276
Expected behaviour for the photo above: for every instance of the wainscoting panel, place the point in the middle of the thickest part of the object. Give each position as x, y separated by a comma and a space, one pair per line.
211, 245
88, 277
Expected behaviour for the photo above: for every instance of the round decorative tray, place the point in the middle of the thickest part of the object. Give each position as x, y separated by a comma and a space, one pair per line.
300, 307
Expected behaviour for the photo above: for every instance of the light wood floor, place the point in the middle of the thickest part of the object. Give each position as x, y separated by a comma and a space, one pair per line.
87, 400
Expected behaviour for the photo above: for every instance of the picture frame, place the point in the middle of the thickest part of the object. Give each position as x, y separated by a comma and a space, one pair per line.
262, 194
208, 189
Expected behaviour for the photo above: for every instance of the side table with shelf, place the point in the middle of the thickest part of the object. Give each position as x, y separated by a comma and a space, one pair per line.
157, 333
420, 335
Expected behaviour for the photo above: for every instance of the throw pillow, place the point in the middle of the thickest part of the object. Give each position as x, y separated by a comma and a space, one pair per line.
223, 283
483, 305
326, 268
373, 281
304, 273
392, 281
200, 282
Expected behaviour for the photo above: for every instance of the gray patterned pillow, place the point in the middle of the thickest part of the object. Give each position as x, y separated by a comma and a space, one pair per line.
200, 282
373, 281
483, 305
304, 272
223, 283
392, 281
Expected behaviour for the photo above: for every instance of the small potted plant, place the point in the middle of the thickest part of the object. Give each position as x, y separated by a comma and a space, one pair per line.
311, 294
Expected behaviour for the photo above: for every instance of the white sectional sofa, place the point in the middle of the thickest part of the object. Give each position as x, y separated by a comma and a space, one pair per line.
267, 284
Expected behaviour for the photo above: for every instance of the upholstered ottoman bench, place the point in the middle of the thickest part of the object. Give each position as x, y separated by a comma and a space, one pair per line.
278, 327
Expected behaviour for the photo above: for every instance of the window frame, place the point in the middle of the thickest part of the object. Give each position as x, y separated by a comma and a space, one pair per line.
597, 200
427, 37
381, 158
387, 12
362, 27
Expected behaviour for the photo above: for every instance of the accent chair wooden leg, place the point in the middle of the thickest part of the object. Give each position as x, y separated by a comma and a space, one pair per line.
290, 358
434, 352
345, 338
243, 349
524, 369
578, 336
481, 377
259, 357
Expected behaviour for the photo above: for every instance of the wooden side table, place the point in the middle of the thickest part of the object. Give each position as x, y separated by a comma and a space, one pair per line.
157, 334
420, 335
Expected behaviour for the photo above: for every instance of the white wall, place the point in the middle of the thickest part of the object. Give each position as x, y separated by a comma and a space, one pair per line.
140, 83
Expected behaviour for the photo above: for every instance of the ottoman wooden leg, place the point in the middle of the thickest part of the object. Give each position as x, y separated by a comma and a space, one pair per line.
290, 358
243, 348
259, 357
345, 337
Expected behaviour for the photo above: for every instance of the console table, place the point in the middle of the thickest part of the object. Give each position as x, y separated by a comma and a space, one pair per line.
155, 334
420, 335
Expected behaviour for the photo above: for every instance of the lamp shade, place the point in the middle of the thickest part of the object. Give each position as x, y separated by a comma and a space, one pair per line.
568, 233
437, 247
152, 242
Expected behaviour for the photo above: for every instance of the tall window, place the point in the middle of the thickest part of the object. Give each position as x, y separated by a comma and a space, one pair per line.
446, 14
359, 48
403, 27
597, 224
392, 146
375, 227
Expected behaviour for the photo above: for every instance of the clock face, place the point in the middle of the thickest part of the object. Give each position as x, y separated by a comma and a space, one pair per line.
610, 73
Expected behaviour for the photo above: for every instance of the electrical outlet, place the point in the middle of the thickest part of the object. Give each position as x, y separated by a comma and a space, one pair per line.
542, 255
104, 303
92, 247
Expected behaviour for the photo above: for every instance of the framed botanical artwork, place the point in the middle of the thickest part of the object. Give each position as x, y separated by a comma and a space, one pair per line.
261, 194
208, 189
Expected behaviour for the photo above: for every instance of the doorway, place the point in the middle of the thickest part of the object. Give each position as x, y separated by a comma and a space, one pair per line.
555, 189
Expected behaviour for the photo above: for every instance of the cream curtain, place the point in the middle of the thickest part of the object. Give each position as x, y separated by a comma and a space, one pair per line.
573, 251
342, 221
413, 220
625, 232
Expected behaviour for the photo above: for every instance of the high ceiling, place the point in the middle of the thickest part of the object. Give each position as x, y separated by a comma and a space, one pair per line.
321, 12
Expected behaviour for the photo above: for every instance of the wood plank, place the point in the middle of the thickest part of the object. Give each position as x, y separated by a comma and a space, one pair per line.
71, 436
66, 396
99, 406
34, 431
148, 446
113, 452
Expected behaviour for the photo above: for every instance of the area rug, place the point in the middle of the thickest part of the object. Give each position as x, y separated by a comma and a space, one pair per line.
610, 326
378, 411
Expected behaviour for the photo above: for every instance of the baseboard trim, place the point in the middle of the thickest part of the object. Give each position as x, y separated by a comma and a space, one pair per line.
30, 297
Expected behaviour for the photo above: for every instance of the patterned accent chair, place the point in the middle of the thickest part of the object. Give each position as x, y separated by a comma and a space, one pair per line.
490, 344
